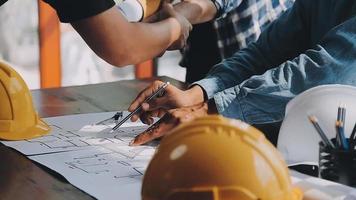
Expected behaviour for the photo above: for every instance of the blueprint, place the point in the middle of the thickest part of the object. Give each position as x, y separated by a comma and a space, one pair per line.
76, 132
103, 165
90, 157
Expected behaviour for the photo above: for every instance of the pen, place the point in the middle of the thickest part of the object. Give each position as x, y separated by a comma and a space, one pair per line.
320, 131
343, 114
138, 109
339, 113
340, 132
338, 118
340, 128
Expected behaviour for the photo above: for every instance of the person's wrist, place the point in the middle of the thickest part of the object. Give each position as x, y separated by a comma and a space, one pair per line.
197, 94
175, 27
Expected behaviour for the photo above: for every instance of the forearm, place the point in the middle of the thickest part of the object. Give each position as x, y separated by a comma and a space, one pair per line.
284, 39
196, 11
262, 99
121, 43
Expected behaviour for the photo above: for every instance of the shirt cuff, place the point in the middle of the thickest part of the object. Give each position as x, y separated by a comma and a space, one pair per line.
211, 85
228, 104
237, 103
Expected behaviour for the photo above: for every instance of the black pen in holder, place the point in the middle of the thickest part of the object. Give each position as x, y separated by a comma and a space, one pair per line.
337, 165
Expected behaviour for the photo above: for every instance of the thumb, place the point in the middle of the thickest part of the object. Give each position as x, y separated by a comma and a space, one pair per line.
168, 8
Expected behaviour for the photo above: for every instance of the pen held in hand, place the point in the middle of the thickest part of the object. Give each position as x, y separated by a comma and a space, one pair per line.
138, 109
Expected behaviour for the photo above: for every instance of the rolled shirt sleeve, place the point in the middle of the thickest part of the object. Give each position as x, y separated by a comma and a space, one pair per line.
73, 10
262, 98
309, 45
275, 45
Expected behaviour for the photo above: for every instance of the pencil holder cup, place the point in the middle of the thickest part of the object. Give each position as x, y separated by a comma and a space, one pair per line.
337, 165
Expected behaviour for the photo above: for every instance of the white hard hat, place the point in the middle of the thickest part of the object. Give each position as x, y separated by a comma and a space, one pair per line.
298, 140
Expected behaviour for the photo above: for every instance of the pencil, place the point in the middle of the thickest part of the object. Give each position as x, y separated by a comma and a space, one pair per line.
320, 131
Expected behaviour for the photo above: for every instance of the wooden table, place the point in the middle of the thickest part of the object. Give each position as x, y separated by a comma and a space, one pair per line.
20, 178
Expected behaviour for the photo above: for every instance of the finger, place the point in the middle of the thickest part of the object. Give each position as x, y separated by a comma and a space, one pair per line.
145, 117
144, 94
149, 114
149, 109
161, 113
144, 108
157, 130
135, 117
190, 27
168, 8
154, 104
154, 113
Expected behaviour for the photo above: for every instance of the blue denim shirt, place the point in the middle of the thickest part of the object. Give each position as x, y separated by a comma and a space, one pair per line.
313, 43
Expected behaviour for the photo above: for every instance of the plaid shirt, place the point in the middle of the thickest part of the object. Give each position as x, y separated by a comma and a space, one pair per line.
242, 25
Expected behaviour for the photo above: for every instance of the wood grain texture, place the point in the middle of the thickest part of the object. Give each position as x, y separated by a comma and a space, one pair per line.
20, 178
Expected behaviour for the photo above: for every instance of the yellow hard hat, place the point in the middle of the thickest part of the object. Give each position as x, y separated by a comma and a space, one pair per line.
214, 158
149, 7
18, 118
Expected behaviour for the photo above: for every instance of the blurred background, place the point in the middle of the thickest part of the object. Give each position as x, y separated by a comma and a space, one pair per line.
19, 45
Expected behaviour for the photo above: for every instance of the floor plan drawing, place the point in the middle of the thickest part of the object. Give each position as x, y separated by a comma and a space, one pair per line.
60, 139
88, 155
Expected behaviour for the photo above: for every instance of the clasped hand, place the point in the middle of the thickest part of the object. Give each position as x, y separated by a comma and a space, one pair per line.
167, 11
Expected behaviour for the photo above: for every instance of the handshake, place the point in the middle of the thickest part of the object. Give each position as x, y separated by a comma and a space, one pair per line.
150, 11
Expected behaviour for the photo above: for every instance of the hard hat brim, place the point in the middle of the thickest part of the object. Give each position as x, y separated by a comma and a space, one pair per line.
39, 129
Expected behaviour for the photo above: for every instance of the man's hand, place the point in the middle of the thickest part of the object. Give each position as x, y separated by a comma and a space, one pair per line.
168, 11
171, 99
170, 120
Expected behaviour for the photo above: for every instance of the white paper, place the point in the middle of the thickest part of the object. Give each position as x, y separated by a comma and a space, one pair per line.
101, 172
103, 165
320, 189
75, 132
90, 157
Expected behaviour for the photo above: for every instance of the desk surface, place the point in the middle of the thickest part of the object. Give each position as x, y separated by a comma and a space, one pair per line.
20, 178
